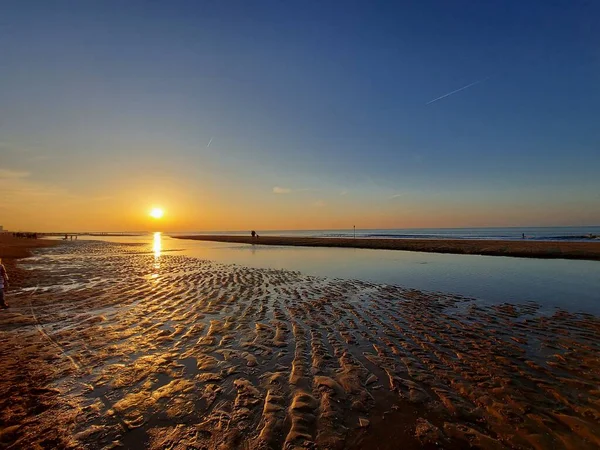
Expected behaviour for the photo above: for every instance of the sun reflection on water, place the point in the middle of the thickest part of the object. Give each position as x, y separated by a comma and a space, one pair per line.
157, 245
157, 249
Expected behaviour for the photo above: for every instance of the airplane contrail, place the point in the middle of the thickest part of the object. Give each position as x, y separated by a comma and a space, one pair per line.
208, 145
458, 90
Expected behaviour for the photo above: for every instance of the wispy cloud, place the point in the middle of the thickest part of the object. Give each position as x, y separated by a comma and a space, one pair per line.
23, 196
319, 203
38, 158
210, 142
457, 90
7, 174
19, 189
280, 190
396, 196
102, 198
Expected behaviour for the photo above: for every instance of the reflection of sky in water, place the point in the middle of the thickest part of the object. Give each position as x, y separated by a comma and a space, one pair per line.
570, 284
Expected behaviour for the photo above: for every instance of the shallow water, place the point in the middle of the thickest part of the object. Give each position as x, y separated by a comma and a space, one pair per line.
568, 284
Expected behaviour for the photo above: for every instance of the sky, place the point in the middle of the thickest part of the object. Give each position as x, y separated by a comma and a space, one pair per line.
236, 115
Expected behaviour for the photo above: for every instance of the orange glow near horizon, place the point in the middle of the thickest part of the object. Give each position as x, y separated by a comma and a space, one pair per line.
139, 208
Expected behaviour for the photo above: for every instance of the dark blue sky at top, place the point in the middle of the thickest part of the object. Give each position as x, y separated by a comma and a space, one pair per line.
308, 91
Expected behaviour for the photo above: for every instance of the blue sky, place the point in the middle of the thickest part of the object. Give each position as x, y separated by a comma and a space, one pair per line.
108, 107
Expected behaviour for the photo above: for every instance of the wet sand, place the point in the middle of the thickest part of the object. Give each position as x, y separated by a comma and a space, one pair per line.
112, 346
522, 248
11, 249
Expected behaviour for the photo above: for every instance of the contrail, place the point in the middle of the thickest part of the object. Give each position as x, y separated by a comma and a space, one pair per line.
208, 145
458, 90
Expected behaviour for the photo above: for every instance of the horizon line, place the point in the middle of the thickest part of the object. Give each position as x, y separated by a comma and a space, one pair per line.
292, 229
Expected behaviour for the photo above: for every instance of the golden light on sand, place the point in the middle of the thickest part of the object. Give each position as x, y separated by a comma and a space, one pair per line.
157, 213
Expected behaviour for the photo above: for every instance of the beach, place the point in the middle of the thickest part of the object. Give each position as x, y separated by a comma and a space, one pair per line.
523, 248
119, 345
12, 249
299, 225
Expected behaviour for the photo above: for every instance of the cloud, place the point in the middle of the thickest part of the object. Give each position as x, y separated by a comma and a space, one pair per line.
319, 203
39, 158
280, 190
7, 174
344, 192
396, 196
102, 198
32, 152
18, 189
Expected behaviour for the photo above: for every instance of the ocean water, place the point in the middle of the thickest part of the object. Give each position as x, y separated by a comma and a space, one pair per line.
571, 285
501, 233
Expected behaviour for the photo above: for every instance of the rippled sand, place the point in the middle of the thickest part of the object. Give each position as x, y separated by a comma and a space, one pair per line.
107, 346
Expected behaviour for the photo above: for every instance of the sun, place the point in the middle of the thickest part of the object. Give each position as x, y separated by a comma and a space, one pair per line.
157, 213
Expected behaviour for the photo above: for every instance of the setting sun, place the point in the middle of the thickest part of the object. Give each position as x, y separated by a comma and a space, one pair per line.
156, 213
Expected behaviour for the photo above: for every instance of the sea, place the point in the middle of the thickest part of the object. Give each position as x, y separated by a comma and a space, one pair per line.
572, 285
586, 233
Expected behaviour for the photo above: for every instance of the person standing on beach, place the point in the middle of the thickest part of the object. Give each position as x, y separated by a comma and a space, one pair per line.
3, 284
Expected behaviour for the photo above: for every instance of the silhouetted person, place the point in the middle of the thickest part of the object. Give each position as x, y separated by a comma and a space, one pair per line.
523, 235
3, 284
253, 233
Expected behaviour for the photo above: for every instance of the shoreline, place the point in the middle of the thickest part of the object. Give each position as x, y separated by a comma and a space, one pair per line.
520, 249
12, 249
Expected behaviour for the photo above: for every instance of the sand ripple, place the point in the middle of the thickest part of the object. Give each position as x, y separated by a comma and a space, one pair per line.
107, 346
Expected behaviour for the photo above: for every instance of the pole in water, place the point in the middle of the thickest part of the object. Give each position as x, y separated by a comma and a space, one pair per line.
354, 231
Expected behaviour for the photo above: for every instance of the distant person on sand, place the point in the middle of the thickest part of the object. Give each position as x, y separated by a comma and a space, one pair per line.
3, 284
253, 233
523, 236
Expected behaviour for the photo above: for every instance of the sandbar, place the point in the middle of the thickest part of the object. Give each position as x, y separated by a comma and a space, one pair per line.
523, 249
